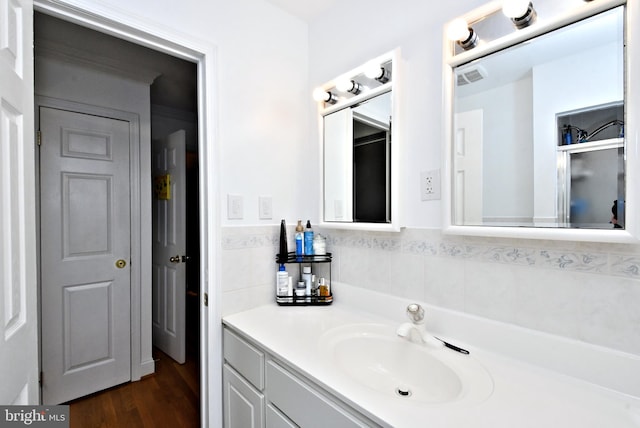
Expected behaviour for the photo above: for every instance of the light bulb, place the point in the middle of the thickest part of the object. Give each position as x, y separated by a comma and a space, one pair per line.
320, 94
373, 70
458, 29
515, 8
344, 85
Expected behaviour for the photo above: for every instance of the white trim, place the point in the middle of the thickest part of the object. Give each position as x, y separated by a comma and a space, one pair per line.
140, 31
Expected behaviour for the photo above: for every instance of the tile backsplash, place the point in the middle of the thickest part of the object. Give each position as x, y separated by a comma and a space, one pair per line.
584, 291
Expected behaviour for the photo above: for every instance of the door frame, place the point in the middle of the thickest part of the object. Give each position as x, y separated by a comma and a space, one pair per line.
124, 26
139, 368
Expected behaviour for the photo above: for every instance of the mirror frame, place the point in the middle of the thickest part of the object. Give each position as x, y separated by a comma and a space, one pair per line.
631, 233
392, 86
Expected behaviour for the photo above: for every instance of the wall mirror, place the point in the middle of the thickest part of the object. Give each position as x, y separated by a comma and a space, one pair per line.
360, 147
540, 132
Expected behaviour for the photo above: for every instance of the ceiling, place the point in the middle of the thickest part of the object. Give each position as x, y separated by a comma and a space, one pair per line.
307, 10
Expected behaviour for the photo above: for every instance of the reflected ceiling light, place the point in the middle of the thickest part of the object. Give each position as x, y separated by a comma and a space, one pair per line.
374, 70
320, 94
349, 85
460, 32
521, 12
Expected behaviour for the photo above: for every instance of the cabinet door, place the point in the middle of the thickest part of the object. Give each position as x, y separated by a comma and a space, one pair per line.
243, 404
276, 419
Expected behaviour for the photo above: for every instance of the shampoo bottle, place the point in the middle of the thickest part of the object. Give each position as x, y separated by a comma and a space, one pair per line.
299, 239
308, 239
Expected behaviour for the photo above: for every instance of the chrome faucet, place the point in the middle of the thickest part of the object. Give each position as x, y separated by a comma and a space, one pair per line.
414, 330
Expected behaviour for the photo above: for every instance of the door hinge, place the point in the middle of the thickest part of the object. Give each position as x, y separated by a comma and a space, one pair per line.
40, 378
206, 299
39, 138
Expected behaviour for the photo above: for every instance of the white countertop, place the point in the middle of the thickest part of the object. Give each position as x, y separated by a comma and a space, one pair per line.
524, 395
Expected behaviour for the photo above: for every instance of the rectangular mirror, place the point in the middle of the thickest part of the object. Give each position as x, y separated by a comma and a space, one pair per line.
359, 148
357, 152
538, 138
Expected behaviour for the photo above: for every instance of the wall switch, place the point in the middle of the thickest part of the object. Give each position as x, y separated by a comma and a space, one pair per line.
234, 207
265, 208
430, 185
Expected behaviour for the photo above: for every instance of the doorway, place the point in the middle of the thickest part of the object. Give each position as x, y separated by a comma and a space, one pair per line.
173, 101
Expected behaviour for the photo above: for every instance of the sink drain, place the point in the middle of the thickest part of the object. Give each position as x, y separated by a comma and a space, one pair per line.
403, 391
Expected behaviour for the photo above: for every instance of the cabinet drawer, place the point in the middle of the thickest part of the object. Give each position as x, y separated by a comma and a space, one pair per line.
304, 405
245, 358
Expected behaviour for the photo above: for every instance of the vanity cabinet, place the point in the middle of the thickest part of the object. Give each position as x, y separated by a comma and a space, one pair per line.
260, 391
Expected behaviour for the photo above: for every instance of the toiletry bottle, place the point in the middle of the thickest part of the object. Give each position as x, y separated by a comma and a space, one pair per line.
323, 287
301, 289
282, 282
299, 239
308, 239
319, 245
284, 250
307, 278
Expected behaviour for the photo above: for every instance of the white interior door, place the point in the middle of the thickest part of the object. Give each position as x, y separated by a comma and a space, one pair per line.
18, 288
85, 253
468, 167
169, 244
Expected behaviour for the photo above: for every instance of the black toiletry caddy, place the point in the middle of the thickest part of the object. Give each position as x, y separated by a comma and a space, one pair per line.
320, 267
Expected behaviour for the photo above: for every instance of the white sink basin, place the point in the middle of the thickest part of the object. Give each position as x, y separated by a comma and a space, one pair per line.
375, 357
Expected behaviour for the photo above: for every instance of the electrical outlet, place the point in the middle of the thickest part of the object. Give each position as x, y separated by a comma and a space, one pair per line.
430, 185
234, 207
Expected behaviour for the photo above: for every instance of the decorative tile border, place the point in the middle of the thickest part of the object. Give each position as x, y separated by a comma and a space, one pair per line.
426, 242
624, 265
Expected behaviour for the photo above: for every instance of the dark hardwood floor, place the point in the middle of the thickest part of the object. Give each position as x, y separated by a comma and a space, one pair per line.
168, 398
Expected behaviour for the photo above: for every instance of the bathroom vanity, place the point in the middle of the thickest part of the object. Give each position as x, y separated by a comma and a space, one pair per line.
289, 366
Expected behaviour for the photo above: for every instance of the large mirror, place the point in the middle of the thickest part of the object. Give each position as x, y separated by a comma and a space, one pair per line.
538, 138
359, 148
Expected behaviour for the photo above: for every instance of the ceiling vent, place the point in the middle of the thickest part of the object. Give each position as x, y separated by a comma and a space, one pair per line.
470, 75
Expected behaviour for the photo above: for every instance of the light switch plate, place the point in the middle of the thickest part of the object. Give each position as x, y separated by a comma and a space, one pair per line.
265, 208
235, 207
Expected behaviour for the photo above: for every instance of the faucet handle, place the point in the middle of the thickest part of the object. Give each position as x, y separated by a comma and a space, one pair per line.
415, 313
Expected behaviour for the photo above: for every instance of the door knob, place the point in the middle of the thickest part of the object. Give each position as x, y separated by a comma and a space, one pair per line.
120, 263
175, 259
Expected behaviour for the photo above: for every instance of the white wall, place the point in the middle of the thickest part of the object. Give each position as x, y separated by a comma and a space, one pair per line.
261, 84
507, 149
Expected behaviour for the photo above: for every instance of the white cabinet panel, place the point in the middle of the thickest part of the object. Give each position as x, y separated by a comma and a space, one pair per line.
243, 405
276, 419
245, 358
304, 405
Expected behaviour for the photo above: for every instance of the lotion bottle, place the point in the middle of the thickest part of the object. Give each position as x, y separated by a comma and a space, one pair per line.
282, 282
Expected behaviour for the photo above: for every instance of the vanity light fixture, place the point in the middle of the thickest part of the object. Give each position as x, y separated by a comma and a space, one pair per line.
320, 94
349, 85
521, 12
460, 32
374, 70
